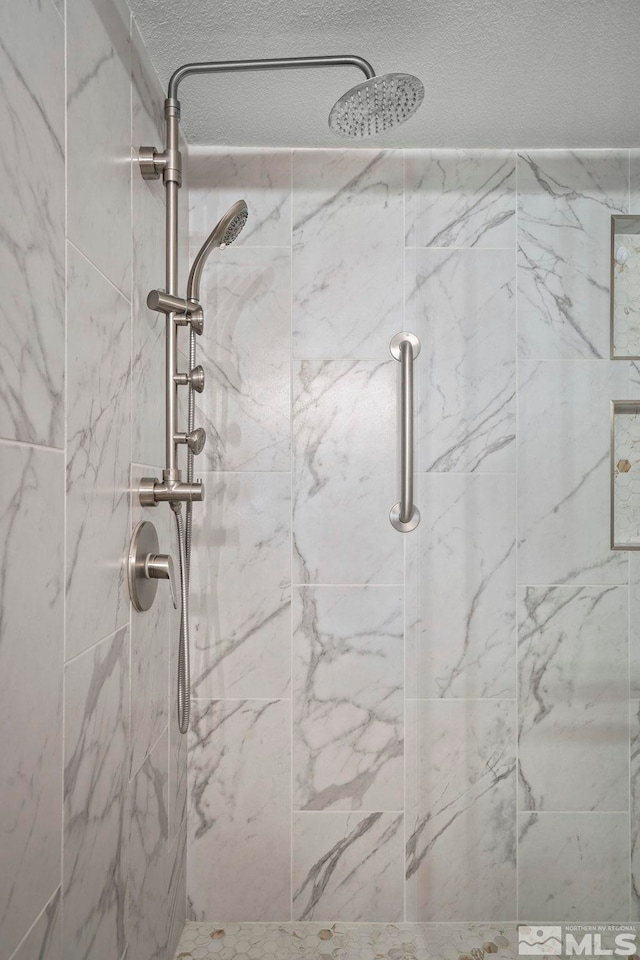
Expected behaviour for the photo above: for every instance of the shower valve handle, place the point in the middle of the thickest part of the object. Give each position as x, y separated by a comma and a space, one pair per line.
159, 566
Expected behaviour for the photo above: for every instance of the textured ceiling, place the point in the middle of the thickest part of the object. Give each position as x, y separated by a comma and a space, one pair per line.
497, 73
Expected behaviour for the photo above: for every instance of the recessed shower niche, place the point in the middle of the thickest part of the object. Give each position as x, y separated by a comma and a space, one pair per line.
625, 287
625, 475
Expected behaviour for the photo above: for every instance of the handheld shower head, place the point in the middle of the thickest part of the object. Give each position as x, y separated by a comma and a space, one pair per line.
376, 105
223, 234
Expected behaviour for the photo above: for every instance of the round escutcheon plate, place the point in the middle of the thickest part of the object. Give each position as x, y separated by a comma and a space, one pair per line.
142, 589
394, 517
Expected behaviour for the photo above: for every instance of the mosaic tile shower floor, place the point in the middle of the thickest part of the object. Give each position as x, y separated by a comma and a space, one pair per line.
347, 941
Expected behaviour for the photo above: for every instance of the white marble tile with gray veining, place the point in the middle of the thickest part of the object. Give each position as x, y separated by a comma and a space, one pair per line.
239, 821
460, 577
563, 472
32, 210
147, 917
565, 202
460, 198
245, 351
634, 184
219, 177
44, 940
241, 587
99, 135
461, 305
184, 238
634, 624
573, 687
176, 888
95, 799
348, 866
98, 455
178, 774
461, 803
150, 636
148, 265
573, 867
345, 472
347, 252
31, 656
348, 698
634, 730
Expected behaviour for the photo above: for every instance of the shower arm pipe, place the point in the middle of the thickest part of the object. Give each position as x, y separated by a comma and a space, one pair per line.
278, 63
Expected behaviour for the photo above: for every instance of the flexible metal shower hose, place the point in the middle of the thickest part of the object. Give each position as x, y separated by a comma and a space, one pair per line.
184, 672
184, 548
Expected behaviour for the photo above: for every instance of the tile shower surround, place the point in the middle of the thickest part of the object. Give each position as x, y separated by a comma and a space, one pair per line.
439, 727
431, 680
92, 818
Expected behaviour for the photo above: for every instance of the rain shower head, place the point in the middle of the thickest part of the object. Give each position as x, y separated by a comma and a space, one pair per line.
222, 235
376, 105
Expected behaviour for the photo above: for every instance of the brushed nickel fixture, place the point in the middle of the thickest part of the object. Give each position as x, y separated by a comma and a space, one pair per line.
366, 110
376, 105
404, 515
146, 566
172, 489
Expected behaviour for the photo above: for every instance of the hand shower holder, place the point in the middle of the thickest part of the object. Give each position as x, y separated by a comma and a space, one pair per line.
185, 312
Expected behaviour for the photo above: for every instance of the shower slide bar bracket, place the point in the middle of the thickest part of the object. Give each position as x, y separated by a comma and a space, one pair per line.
404, 515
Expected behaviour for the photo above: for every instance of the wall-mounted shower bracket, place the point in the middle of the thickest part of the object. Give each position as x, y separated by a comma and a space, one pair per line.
193, 319
194, 439
167, 162
152, 163
170, 489
194, 379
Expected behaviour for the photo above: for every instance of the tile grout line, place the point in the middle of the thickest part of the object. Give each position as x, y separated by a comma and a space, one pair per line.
58, 890
96, 643
28, 444
84, 256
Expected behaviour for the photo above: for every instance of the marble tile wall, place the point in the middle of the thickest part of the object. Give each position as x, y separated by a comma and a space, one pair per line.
92, 818
432, 727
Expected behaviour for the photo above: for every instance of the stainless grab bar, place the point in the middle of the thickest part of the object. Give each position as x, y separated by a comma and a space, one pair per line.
404, 515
